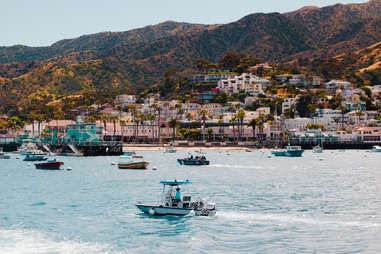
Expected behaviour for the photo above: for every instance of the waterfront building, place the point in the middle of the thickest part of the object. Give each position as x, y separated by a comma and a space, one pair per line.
313, 136
80, 132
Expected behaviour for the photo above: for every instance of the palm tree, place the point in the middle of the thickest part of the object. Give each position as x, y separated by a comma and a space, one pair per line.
133, 111
240, 116
173, 123
220, 123
122, 124
166, 104
336, 120
253, 124
114, 119
91, 119
152, 118
232, 121
32, 117
343, 111
203, 114
261, 126
58, 115
14, 123
359, 113
39, 119
104, 119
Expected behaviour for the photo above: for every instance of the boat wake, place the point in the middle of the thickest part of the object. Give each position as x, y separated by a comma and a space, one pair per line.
289, 219
14, 241
234, 166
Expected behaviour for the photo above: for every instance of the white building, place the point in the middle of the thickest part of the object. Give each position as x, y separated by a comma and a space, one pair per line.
288, 103
125, 99
211, 77
297, 80
335, 84
245, 83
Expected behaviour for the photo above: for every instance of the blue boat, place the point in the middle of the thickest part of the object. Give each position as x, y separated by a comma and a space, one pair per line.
290, 151
194, 160
129, 153
35, 157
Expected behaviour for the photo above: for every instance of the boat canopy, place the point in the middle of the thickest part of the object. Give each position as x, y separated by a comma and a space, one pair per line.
175, 182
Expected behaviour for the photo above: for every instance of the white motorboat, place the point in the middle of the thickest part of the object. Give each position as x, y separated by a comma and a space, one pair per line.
173, 204
317, 149
3, 155
376, 149
170, 150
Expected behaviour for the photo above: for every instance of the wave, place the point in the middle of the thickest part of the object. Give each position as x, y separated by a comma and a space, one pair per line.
289, 219
17, 241
233, 166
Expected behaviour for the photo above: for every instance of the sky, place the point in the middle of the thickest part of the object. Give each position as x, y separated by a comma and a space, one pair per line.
43, 22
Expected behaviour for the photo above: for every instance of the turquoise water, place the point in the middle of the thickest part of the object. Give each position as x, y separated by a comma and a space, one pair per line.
320, 203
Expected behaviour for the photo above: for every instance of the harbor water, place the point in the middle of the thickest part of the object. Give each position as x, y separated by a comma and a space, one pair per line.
319, 203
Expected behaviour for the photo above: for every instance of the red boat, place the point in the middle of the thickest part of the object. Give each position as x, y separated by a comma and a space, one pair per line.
52, 164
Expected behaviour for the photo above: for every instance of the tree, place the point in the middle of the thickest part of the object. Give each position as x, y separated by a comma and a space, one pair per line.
203, 114
240, 116
230, 60
261, 126
114, 119
122, 124
343, 111
58, 115
232, 121
302, 105
210, 133
14, 123
104, 119
173, 123
203, 65
253, 124
359, 113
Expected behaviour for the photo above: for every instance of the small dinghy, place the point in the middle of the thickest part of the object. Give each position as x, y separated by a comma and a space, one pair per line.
173, 204
128, 162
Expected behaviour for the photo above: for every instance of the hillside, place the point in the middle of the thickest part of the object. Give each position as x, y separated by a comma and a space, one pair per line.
139, 57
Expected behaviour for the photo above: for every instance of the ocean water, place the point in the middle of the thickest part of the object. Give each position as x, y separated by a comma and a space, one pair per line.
320, 203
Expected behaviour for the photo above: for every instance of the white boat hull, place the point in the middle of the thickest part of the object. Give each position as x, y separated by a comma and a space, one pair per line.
162, 210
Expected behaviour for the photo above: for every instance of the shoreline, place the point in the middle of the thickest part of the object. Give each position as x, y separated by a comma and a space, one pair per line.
190, 148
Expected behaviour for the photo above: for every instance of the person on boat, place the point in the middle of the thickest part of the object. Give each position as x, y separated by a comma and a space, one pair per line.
178, 194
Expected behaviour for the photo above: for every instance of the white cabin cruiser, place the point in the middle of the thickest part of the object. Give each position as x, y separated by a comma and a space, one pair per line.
173, 204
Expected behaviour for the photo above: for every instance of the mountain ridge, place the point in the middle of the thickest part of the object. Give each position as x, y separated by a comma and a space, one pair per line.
139, 57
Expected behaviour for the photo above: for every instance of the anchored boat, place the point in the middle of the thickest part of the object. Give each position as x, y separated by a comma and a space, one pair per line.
35, 157
290, 151
194, 160
49, 165
128, 162
376, 149
3, 155
317, 149
170, 150
173, 204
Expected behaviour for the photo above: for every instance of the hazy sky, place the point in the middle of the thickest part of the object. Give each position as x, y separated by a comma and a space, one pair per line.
43, 22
